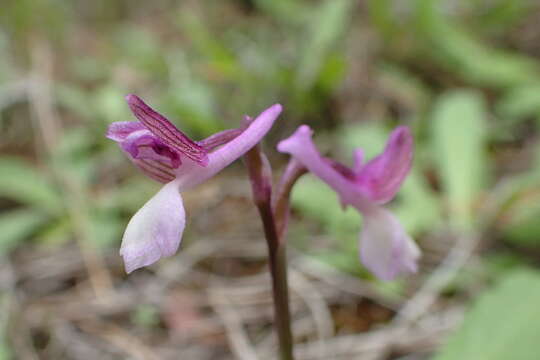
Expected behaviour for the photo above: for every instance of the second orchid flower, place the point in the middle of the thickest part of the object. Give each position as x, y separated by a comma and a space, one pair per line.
385, 247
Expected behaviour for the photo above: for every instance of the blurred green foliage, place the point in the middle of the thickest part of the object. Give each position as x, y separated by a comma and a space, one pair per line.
462, 74
459, 149
491, 331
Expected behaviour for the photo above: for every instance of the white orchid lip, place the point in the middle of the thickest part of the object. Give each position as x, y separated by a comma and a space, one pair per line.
155, 230
385, 248
168, 156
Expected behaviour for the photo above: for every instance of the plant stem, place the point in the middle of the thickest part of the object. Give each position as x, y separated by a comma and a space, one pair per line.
260, 174
280, 289
280, 204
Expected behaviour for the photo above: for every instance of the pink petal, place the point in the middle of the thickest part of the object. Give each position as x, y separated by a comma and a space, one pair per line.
155, 230
120, 130
166, 131
149, 154
300, 146
385, 248
358, 160
381, 177
155, 169
342, 169
220, 138
145, 145
191, 175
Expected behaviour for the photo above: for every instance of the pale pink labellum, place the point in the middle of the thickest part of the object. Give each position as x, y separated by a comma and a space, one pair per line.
155, 230
167, 155
385, 247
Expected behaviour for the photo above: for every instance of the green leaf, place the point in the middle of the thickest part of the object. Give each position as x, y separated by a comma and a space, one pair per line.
105, 228
5, 352
371, 137
316, 200
146, 315
523, 228
76, 100
457, 50
418, 207
212, 52
75, 157
191, 99
520, 200
131, 195
326, 28
56, 233
514, 203
291, 11
520, 102
503, 324
382, 17
16, 226
110, 104
20, 182
459, 141
6, 64
405, 86
345, 261
140, 47
501, 15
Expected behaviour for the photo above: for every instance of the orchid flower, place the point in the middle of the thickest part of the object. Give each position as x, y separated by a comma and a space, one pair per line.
167, 155
385, 247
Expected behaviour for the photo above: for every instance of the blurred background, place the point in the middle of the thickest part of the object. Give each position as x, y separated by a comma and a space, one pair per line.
463, 74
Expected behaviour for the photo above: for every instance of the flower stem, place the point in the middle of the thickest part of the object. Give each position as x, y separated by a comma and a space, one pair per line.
261, 183
280, 289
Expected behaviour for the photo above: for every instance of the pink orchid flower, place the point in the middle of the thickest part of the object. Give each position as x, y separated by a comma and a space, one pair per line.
385, 247
167, 155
